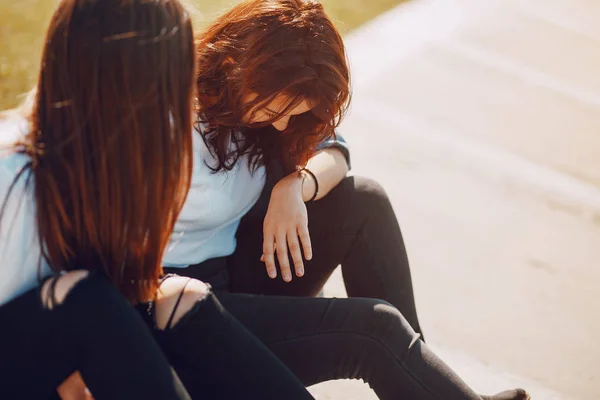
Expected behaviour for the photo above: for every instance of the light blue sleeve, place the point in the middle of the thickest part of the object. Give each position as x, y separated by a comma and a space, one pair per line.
337, 142
19, 246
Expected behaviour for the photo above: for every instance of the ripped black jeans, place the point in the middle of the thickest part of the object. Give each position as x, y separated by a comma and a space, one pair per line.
376, 339
217, 358
95, 331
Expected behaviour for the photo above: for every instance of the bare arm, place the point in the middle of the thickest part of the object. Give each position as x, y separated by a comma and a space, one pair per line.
330, 167
285, 227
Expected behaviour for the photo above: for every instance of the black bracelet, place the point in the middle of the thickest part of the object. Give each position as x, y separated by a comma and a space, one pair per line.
314, 178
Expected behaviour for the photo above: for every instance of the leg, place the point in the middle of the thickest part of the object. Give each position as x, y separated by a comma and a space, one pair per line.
215, 356
355, 226
77, 322
325, 339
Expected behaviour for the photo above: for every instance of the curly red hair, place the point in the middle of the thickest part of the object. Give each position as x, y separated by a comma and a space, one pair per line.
266, 48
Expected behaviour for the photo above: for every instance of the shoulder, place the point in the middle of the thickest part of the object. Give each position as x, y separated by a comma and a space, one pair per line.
12, 129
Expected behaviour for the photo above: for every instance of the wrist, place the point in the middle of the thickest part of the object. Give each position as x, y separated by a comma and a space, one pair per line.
290, 183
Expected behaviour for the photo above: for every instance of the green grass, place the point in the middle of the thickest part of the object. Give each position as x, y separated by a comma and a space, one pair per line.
23, 24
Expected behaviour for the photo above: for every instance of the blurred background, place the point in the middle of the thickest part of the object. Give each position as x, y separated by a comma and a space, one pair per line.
23, 25
481, 119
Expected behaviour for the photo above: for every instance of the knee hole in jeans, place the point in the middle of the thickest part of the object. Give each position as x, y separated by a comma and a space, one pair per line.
176, 297
55, 290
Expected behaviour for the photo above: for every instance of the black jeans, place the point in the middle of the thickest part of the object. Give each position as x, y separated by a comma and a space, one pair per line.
218, 359
94, 331
355, 226
322, 339
97, 332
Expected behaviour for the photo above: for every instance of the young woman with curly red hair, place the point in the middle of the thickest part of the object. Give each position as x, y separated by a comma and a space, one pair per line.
270, 196
93, 173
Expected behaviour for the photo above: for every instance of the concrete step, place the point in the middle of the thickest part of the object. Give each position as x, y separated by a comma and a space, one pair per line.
490, 159
488, 79
483, 378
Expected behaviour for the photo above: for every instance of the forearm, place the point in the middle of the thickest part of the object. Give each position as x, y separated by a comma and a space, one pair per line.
330, 167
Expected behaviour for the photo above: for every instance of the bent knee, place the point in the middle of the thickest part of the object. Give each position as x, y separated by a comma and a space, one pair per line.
364, 194
384, 310
385, 325
385, 318
55, 290
369, 189
176, 297
378, 308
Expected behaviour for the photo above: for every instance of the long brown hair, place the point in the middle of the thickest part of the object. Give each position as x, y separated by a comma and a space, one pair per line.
268, 48
110, 139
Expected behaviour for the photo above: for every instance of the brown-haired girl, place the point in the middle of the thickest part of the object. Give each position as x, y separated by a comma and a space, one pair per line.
91, 183
269, 191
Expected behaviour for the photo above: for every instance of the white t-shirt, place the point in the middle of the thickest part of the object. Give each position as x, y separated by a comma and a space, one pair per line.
215, 205
213, 209
19, 245
205, 229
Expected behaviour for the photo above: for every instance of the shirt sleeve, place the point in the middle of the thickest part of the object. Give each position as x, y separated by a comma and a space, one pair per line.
337, 142
19, 248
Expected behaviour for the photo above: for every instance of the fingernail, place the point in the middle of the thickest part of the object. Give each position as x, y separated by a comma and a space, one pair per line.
287, 277
300, 272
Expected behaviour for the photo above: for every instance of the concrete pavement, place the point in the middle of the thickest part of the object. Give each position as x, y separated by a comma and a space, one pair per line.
481, 119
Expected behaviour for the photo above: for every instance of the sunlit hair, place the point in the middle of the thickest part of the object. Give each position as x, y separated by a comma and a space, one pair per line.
270, 47
110, 139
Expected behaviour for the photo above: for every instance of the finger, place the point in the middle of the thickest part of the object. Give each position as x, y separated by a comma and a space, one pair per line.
294, 246
304, 236
262, 258
269, 257
282, 256
72, 388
